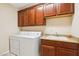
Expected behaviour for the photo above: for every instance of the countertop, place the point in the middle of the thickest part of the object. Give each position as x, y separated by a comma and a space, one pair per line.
61, 38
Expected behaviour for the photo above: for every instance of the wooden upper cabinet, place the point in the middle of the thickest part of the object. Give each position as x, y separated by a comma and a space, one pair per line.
49, 10
26, 17
20, 18
65, 8
40, 15
31, 16
35, 15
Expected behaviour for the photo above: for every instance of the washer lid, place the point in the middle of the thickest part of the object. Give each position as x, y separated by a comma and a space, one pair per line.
27, 34
24, 36
30, 33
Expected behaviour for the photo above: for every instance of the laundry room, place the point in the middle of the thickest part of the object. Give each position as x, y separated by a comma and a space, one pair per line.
39, 29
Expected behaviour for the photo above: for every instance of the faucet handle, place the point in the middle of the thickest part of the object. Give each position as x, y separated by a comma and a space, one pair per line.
56, 34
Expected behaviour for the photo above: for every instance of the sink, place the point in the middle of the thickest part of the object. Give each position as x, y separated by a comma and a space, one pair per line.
57, 37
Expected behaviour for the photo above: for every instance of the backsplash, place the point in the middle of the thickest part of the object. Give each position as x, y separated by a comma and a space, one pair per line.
61, 25
33, 28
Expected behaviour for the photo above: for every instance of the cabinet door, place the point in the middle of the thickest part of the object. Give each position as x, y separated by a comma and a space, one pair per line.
65, 52
47, 50
31, 16
25, 17
40, 15
20, 18
49, 10
78, 52
65, 8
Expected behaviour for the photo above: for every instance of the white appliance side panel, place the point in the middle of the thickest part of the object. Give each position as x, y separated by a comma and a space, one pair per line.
14, 46
29, 47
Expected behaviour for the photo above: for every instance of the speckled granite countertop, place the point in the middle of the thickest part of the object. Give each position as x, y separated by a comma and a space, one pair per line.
61, 38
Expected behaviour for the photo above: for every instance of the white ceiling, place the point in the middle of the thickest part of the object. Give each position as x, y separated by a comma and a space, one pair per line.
20, 6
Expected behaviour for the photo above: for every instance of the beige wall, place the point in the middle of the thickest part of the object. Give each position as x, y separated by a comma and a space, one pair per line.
75, 23
8, 25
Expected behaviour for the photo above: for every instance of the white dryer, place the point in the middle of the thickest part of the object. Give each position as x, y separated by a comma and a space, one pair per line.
25, 43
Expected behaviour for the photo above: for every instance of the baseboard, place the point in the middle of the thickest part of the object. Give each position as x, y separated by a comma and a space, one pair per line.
4, 53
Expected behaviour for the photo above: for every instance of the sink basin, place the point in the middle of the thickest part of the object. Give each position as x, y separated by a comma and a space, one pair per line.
56, 37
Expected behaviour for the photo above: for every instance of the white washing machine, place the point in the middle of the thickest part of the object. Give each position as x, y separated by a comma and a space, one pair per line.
25, 43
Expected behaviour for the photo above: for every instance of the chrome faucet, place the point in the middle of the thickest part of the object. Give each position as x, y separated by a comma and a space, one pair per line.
57, 34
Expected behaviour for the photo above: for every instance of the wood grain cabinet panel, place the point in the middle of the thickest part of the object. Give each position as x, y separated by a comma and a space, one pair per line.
31, 16
40, 15
26, 17
58, 48
65, 8
21, 18
78, 52
59, 44
47, 50
49, 10
65, 52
